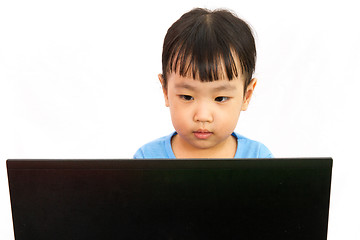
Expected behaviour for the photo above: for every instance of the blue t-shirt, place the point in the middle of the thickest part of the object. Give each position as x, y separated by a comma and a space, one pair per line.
161, 148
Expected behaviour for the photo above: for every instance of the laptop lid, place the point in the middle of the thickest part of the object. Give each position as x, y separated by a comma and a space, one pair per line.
170, 199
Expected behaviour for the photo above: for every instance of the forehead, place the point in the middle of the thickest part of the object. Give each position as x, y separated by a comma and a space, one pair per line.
176, 81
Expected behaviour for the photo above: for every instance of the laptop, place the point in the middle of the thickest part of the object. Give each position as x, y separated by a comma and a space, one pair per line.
170, 199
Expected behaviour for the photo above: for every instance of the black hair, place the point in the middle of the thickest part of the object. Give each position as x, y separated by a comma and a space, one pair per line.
201, 41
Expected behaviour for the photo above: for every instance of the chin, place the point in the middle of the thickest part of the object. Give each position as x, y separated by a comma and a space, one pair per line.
202, 145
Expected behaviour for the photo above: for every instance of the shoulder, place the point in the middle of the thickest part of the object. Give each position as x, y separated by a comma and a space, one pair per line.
159, 148
248, 148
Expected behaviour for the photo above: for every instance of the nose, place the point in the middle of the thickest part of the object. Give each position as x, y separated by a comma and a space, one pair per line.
203, 113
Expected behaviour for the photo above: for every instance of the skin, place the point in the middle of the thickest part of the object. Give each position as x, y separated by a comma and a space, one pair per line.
204, 114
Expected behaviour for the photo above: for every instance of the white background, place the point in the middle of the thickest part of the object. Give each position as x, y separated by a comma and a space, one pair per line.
78, 79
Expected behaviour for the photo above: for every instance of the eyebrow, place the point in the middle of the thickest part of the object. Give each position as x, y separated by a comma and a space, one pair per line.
185, 86
219, 88
225, 87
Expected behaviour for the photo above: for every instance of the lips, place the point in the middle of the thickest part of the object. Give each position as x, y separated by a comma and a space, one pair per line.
202, 134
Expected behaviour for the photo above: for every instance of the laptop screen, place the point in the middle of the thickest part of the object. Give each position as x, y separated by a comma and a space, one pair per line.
170, 199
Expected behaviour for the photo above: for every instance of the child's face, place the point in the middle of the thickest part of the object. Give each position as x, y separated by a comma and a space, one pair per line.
205, 114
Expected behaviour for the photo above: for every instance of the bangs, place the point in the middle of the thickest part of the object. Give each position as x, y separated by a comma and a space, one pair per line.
207, 65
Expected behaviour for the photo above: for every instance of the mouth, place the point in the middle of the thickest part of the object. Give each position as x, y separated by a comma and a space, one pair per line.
202, 134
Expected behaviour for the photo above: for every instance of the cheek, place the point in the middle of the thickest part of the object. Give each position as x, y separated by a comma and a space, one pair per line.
179, 117
229, 117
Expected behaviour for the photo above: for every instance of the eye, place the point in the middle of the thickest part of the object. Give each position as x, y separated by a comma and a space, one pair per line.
186, 97
221, 99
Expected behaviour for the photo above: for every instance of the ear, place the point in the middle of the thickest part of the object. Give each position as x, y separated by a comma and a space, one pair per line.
162, 81
248, 93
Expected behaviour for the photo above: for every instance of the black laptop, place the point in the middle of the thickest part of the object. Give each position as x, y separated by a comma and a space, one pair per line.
170, 199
